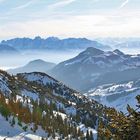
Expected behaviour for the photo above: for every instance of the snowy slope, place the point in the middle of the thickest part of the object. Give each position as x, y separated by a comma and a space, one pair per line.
38, 77
116, 95
16, 133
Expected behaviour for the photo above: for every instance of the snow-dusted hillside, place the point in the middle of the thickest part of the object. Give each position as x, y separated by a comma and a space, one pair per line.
31, 103
116, 95
36, 106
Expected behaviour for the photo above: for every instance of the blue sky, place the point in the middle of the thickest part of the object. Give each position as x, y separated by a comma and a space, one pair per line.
69, 18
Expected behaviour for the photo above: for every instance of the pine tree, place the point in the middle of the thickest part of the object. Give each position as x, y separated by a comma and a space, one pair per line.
87, 135
13, 121
120, 126
91, 136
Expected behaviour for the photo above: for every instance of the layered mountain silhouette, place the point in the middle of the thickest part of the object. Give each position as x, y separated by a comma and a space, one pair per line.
54, 43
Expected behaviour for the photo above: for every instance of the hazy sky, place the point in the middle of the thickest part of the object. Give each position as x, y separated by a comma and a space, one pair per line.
69, 18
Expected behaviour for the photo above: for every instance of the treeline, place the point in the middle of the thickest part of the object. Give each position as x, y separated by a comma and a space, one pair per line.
120, 126
43, 115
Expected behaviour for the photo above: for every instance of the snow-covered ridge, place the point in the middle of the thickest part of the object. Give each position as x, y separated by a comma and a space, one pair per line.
38, 77
107, 90
89, 56
102, 59
44, 80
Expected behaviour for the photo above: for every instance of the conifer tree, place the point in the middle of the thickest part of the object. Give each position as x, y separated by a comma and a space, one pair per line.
87, 135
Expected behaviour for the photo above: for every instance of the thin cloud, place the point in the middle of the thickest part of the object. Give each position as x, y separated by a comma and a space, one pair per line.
62, 3
106, 25
24, 5
124, 4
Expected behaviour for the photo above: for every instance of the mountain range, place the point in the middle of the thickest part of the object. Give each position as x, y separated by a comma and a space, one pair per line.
37, 106
53, 43
108, 77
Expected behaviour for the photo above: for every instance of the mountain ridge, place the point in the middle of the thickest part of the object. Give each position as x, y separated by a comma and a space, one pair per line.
53, 43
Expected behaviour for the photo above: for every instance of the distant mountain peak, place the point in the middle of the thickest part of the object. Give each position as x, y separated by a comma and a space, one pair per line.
52, 38
117, 51
38, 65
37, 61
37, 38
92, 51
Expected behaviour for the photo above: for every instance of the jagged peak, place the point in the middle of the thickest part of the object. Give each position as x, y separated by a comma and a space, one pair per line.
52, 38
117, 51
